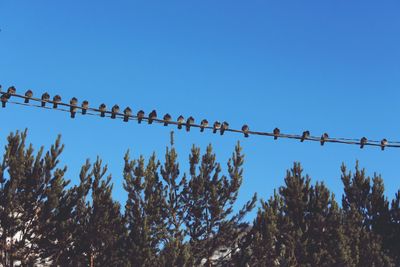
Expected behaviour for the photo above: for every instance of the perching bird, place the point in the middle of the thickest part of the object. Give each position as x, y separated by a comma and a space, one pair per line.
103, 109
363, 142
127, 114
224, 127
11, 91
28, 95
216, 126
189, 122
181, 120
140, 116
204, 124
166, 119
152, 116
114, 111
245, 130
56, 100
4, 100
384, 143
305, 136
73, 102
324, 137
277, 132
85, 106
45, 98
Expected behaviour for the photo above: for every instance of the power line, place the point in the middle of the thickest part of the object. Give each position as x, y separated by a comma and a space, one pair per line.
127, 115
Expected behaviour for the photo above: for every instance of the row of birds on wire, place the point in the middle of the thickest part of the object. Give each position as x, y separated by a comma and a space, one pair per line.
127, 114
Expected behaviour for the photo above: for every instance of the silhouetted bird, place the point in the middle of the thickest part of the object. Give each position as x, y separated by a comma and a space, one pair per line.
324, 137
363, 142
127, 114
4, 100
45, 98
11, 91
56, 100
28, 95
277, 132
189, 122
181, 121
103, 109
167, 118
140, 116
152, 116
224, 127
114, 111
204, 124
384, 143
305, 136
85, 106
73, 106
245, 130
216, 126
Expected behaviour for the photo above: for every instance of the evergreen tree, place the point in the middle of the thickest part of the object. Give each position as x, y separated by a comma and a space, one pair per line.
145, 211
32, 200
98, 232
365, 246
210, 197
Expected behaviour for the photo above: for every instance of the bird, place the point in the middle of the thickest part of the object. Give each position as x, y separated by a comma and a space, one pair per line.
56, 100
102, 109
152, 116
216, 126
384, 143
140, 116
4, 100
45, 98
11, 91
245, 130
363, 142
114, 111
224, 127
166, 119
127, 114
73, 103
85, 106
324, 137
189, 122
277, 132
28, 95
204, 124
306, 135
181, 120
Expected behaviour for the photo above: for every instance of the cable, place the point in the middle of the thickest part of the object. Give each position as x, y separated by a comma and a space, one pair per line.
221, 127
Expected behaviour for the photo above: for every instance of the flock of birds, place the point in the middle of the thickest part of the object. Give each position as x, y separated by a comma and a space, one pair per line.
217, 126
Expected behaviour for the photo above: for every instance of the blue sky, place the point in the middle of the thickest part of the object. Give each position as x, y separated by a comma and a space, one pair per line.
323, 66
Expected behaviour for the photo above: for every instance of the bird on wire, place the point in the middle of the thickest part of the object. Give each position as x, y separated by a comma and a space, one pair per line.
189, 122
73, 102
204, 124
127, 114
167, 118
245, 130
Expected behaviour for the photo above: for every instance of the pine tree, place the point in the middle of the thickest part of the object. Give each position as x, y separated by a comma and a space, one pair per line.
31, 199
210, 197
98, 231
175, 251
366, 246
145, 211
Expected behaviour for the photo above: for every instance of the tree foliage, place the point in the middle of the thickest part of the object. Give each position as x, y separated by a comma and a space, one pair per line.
176, 218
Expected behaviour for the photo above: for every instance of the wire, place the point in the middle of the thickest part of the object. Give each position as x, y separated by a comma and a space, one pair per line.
6, 96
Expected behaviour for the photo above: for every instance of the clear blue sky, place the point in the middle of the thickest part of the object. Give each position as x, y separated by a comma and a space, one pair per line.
329, 66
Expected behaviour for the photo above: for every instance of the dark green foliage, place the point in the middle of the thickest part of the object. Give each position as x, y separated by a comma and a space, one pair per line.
173, 218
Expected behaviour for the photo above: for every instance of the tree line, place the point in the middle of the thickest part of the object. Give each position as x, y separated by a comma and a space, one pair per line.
175, 218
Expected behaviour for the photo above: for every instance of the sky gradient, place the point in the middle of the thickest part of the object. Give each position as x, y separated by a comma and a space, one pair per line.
323, 66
